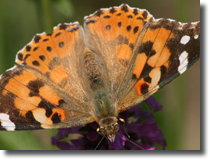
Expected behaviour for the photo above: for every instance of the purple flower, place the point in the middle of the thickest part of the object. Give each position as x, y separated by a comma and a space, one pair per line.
143, 133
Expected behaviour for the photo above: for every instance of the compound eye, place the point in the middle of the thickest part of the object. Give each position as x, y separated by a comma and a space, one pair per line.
103, 131
116, 127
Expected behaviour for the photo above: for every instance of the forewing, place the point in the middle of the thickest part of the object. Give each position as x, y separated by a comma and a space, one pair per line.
111, 34
164, 50
45, 88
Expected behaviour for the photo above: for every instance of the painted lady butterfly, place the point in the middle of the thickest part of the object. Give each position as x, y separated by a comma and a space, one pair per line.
73, 76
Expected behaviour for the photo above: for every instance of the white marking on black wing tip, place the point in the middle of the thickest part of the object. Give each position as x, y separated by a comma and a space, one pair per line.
196, 36
6, 123
183, 59
185, 39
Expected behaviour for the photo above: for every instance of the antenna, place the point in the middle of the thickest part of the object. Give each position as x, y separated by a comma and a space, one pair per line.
99, 143
124, 128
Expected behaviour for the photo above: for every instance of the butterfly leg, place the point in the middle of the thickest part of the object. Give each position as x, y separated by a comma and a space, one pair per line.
124, 128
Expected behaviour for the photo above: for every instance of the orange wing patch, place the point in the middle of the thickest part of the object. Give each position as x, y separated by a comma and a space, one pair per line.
158, 54
145, 50
29, 91
158, 46
28, 86
35, 104
164, 53
119, 27
57, 115
139, 64
46, 52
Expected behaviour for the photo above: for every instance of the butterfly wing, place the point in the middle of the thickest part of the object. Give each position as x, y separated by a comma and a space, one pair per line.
141, 54
134, 53
164, 49
111, 34
44, 89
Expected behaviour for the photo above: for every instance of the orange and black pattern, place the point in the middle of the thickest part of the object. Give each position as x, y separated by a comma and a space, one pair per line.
123, 51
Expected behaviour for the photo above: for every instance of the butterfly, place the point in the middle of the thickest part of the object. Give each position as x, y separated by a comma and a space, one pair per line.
77, 75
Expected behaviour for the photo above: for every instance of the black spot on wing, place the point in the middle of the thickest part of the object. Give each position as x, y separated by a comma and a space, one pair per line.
20, 56
106, 17
99, 13
134, 76
61, 44
35, 86
46, 105
45, 40
27, 55
49, 49
28, 48
144, 14
118, 14
119, 24
57, 34
146, 70
42, 57
62, 27
112, 10
49, 34
153, 52
56, 118
130, 16
35, 48
37, 38
48, 112
135, 30
108, 27
124, 8
135, 11
140, 18
144, 88
146, 47
147, 79
163, 70
36, 63
128, 28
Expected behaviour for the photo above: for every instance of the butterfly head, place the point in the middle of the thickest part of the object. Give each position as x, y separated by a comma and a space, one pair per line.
108, 127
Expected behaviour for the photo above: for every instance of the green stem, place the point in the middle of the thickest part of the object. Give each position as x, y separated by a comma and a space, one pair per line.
47, 15
44, 12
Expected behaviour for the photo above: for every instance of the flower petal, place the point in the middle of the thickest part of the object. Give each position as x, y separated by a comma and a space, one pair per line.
153, 104
92, 135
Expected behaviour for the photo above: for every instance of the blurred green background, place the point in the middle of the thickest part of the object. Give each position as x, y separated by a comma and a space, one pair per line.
21, 20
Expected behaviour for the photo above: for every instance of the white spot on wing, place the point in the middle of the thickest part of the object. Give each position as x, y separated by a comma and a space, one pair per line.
185, 39
156, 75
196, 36
6, 123
183, 62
